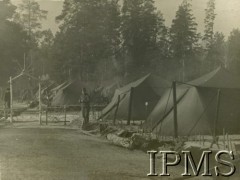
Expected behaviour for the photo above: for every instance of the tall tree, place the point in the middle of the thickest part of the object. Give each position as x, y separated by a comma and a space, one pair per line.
213, 53
142, 29
209, 23
43, 54
184, 38
216, 53
29, 15
7, 10
12, 42
88, 37
233, 50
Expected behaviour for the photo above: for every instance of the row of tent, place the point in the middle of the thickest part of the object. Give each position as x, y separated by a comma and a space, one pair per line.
69, 92
151, 100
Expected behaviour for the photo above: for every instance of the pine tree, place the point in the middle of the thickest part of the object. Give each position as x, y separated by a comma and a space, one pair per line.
142, 29
213, 42
233, 50
88, 38
30, 15
184, 38
6, 11
12, 42
216, 53
209, 23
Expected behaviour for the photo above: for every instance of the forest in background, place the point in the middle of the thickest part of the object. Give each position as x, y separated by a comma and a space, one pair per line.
101, 41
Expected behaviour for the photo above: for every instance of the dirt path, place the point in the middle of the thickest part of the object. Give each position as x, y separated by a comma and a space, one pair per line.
64, 154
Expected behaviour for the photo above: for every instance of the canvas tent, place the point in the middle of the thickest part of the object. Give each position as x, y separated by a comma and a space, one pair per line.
69, 93
108, 91
147, 89
197, 106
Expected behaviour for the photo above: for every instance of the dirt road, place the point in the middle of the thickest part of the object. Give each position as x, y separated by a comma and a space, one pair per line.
65, 154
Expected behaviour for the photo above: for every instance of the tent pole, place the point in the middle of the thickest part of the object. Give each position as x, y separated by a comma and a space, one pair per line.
217, 113
215, 138
46, 115
65, 115
130, 106
11, 100
175, 110
115, 114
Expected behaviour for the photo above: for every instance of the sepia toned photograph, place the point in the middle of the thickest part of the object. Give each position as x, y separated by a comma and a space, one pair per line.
119, 89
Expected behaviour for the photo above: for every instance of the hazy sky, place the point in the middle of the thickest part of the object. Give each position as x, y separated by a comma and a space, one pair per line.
228, 13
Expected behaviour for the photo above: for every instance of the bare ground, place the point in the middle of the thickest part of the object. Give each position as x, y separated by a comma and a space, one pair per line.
29, 151
65, 154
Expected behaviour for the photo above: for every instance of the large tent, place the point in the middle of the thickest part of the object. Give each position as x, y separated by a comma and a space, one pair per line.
69, 93
197, 110
144, 93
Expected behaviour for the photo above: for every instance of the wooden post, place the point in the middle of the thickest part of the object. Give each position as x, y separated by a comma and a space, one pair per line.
228, 144
11, 100
231, 146
203, 140
65, 115
183, 69
40, 104
216, 115
224, 142
47, 115
130, 106
115, 113
175, 110
200, 138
